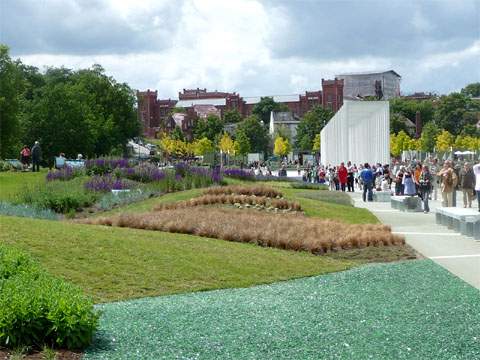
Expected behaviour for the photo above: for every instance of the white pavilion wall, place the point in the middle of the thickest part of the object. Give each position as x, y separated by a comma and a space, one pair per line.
359, 132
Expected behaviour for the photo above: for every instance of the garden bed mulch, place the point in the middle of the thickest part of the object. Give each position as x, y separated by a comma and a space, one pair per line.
406, 310
60, 355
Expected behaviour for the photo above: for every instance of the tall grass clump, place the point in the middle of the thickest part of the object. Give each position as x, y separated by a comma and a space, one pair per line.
37, 309
24, 210
284, 231
308, 186
257, 190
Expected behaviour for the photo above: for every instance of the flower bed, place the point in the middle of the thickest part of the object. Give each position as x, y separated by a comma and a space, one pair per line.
259, 190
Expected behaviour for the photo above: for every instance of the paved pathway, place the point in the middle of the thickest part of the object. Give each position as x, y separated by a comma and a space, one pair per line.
457, 253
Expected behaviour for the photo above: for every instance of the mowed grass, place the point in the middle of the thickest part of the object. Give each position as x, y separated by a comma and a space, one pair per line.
113, 264
12, 182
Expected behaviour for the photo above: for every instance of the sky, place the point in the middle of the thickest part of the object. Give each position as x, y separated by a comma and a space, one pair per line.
253, 47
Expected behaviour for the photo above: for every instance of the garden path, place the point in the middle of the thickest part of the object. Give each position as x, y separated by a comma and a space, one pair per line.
455, 252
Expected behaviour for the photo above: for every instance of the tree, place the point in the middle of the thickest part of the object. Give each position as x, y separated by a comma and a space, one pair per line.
282, 146
316, 143
226, 144
467, 143
454, 112
408, 108
211, 128
241, 143
74, 112
399, 143
255, 133
472, 90
11, 87
311, 124
202, 146
429, 136
265, 106
232, 116
177, 134
397, 124
444, 141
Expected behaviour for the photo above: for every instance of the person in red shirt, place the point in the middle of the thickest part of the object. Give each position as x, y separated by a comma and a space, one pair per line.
342, 176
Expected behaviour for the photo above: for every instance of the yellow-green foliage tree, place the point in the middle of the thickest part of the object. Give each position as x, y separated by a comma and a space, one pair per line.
400, 142
316, 143
282, 146
178, 148
202, 146
467, 143
444, 141
226, 144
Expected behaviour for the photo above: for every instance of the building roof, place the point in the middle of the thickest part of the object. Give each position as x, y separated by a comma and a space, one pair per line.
369, 73
189, 103
276, 98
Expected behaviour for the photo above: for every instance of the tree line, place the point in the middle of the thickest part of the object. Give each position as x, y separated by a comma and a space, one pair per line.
74, 112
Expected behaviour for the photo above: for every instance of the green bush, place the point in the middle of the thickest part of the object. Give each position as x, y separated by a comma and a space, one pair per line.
109, 201
24, 210
61, 197
37, 309
310, 186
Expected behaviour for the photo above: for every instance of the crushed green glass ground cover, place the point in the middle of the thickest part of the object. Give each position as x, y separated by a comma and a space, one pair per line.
407, 310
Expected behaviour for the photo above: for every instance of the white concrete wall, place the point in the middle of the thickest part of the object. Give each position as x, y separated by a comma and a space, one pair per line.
359, 132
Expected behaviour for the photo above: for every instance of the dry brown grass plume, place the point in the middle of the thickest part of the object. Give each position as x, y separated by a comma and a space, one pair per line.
284, 231
257, 190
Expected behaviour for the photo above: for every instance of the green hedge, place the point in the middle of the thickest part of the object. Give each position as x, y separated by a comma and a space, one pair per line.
37, 309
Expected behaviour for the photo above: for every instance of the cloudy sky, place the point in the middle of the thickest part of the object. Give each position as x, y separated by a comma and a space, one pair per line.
255, 47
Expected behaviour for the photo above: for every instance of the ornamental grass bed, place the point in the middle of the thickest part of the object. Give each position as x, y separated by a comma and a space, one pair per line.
292, 231
258, 190
224, 199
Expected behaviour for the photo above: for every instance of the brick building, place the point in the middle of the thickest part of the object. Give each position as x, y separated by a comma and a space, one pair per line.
156, 114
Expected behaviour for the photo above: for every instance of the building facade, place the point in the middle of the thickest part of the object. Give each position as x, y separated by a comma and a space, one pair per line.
381, 85
156, 114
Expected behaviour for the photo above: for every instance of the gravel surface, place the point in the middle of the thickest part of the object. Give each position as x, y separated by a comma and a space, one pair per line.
407, 310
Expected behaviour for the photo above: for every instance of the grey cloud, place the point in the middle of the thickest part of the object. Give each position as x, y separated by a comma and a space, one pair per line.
345, 29
84, 27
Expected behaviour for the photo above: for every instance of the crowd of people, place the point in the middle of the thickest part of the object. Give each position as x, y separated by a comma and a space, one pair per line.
424, 179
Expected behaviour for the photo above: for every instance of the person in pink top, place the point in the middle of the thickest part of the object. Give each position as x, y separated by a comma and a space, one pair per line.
476, 171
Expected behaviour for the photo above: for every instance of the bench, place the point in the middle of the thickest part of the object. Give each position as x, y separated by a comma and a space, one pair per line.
382, 196
406, 203
464, 221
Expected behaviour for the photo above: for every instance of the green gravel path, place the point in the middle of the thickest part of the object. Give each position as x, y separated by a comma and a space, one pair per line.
409, 310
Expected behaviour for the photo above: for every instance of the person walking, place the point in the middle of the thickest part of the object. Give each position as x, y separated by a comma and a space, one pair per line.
476, 171
399, 181
366, 175
350, 177
467, 184
36, 156
425, 181
25, 156
342, 176
409, 188
448, 182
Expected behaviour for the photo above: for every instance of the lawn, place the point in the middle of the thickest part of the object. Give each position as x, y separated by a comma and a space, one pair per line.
118, 263
11, 182
406, 310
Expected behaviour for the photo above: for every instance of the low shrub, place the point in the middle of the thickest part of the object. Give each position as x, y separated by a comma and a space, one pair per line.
24, 210
37, 308
285, 231
258, 190
106, 183
335, 197
231, 200
59, 196
308, 186
65, 174
241, 174
102, 166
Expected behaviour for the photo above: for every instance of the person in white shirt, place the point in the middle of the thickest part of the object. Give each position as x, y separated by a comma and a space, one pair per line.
476, 171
